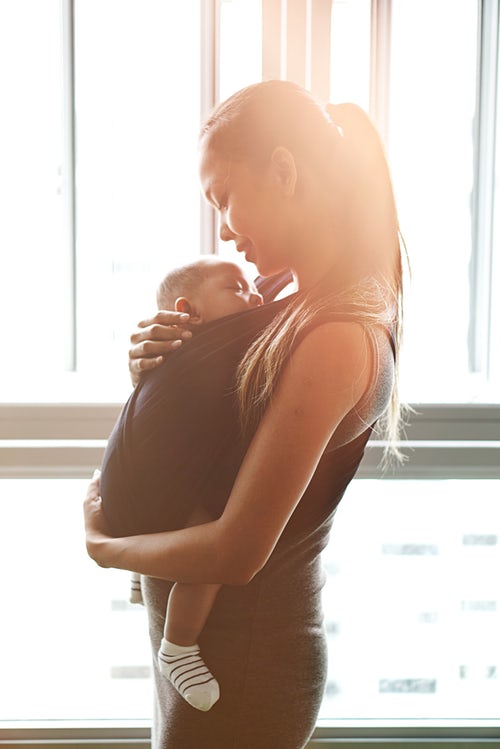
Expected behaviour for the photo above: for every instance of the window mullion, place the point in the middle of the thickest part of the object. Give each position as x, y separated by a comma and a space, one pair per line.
272, 41
483, 190
209, 95
380, 64
68, 172
296, 43
318, 64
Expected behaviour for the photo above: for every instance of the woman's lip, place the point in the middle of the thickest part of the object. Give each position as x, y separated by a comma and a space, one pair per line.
247, 251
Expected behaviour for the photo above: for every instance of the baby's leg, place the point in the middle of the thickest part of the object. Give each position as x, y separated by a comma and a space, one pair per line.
189, 604
179, 655
187, 612
135, 588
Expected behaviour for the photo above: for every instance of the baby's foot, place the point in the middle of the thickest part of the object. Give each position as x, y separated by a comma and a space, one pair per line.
185, 669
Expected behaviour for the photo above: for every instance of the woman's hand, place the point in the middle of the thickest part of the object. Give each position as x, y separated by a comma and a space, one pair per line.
154, 338
96, 530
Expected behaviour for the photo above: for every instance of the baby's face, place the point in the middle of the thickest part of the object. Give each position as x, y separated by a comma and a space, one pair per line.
226, 290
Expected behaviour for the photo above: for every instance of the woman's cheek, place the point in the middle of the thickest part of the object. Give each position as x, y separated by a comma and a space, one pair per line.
233, 222
230, 217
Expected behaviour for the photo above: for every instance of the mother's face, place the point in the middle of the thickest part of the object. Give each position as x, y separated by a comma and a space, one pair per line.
254, 208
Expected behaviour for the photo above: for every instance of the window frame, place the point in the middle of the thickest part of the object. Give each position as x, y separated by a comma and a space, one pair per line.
51, 440
483, 197
58, 440
335, 734
69, 168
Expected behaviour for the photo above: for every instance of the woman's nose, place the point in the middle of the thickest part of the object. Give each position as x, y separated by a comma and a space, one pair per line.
225, 232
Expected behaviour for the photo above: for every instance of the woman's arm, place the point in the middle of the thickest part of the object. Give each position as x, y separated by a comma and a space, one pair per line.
325, 377
154, 338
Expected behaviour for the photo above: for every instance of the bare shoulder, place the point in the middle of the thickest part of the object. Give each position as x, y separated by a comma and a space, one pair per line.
332, 338
333, 358
324, 378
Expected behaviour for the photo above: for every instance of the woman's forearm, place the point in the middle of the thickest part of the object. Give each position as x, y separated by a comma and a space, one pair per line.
211, 552
198, 554
190, 555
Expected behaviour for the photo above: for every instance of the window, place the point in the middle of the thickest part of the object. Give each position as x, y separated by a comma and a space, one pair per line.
102, 157
99, 177
137, 192
81, 650
419, 609
33, 286
433, 136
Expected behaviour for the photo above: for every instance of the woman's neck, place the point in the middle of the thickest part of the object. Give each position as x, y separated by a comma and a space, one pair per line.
347, 249
324, 253
323, 238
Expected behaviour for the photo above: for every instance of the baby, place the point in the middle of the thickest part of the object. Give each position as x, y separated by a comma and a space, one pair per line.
207, 289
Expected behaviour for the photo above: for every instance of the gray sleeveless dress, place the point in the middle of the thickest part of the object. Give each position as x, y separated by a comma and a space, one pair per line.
178, 444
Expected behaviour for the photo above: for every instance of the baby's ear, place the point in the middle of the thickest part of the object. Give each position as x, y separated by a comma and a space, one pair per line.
184, 305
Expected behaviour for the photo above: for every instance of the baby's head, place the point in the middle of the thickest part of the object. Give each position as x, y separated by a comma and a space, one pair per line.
207, 289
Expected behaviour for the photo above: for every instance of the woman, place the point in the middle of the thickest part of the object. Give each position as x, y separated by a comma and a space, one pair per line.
295, 187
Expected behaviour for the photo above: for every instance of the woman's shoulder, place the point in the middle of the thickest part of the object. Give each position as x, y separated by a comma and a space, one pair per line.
353, 366
334, 359
337, 344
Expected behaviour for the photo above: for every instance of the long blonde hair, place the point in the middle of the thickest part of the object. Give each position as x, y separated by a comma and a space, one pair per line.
341, 147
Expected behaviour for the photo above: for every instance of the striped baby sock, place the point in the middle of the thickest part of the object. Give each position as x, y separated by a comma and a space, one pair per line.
185, 669
135, 588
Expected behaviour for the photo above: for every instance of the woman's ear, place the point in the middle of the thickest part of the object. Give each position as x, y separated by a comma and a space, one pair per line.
284, 169
182, 304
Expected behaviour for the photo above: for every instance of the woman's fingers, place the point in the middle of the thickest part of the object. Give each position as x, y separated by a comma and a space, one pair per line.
95, 522
92, 499
159, 335
94, 487
149, 347
154, 339
137, 366
165, 319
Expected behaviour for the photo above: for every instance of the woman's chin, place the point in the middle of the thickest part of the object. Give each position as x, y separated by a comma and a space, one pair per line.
266, 269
